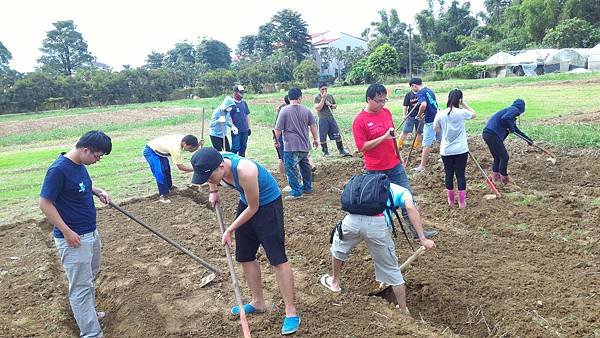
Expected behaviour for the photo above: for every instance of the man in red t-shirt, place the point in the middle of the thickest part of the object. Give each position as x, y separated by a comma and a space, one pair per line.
374, 135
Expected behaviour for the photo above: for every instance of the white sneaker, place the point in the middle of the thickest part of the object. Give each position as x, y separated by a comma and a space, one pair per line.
164, 199
417, 170
100, 315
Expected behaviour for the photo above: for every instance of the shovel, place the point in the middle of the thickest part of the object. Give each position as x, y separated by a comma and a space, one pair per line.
383, 287
412, 146
205, 280
234, 280
487, 178
552, 157
406, 117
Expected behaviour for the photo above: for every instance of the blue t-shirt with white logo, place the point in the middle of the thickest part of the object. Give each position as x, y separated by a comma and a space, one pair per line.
427, 95
69, 186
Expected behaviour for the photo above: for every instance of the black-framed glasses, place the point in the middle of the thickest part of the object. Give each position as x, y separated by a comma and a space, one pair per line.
382, 101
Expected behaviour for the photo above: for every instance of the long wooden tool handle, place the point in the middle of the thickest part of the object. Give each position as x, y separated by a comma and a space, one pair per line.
396, 147
165, 238
234, 279
412, 146
406, 117
277, 148
412, 258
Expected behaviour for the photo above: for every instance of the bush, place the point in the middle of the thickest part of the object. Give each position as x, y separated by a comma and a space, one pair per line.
467, 71
360, 73
306, 73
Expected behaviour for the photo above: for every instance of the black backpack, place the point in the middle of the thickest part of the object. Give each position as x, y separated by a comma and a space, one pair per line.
366, 194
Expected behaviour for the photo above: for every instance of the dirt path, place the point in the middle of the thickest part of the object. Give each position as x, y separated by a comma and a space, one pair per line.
523, 265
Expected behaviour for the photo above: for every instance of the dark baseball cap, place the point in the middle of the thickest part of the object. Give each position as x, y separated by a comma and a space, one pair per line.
205, 161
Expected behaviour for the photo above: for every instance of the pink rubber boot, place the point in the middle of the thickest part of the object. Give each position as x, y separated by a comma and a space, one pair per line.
450, 194
462, 199
496, 177
505, 180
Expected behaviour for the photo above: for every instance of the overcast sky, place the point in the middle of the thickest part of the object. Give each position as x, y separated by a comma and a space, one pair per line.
124, 32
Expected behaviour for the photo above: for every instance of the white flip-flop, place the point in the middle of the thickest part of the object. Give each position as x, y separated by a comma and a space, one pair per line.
325, 281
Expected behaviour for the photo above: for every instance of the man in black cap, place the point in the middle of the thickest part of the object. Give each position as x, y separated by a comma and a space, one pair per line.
259, 221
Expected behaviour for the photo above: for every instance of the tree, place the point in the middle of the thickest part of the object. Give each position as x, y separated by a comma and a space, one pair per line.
572, 33
383, 62
5, 57
291, 32
360, 72
214, 54
538, 16
264, 42
155, 60
183, 52
307, 73
217, 81
282, 64
246, 46
64, 49
588, 10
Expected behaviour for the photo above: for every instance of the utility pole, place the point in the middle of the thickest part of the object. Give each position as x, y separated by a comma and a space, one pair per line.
409, 51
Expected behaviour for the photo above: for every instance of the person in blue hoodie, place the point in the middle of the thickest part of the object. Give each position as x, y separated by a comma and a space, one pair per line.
496, 130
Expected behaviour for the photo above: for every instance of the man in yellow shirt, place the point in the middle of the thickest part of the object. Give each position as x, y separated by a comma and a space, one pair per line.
157, 153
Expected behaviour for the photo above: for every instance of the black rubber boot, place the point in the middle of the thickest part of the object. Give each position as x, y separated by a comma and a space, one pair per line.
341, 149
325, 149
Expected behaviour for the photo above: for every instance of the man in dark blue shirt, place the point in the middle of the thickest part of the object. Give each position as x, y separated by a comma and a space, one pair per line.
428, 108
67, 202
240, 117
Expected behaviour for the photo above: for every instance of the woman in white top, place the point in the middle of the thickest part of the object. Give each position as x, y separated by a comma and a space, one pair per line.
454, 148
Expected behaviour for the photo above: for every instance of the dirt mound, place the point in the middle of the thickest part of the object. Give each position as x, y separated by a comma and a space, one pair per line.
522, 265
588, 118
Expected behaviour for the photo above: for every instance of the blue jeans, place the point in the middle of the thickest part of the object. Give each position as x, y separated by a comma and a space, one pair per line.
397, 175
81, 266
239, 143
161, 170
293, 160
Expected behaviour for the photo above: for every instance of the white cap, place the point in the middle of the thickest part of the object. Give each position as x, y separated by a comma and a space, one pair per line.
238, 88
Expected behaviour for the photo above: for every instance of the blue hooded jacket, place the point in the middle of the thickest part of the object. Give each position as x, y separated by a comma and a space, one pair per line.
504, 121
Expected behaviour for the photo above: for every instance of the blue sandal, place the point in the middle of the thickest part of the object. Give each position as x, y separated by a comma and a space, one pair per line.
290, 325
248, 308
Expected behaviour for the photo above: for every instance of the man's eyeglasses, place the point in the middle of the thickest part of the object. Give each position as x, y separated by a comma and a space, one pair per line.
382, 101
97, 156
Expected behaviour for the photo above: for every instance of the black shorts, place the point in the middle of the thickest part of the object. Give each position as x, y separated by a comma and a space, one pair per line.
264, 228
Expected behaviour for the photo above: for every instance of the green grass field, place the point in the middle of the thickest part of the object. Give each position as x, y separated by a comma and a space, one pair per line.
124, 173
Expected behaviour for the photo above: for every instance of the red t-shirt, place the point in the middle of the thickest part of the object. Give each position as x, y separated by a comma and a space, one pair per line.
369, 126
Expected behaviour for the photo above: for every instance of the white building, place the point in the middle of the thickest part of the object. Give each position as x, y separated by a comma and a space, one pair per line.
322, 43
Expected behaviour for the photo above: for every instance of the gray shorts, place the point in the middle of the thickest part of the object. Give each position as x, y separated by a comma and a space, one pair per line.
328, 127
374, 231
411, 125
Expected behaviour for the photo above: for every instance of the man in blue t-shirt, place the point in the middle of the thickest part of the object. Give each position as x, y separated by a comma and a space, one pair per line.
374, 230
240, 116
428, 108
259, 222
67, 201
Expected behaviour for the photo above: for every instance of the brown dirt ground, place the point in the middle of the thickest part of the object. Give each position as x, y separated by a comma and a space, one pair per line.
124, 116
589, 118
522, 265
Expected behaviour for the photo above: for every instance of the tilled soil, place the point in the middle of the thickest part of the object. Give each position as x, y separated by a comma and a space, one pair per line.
522, 265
